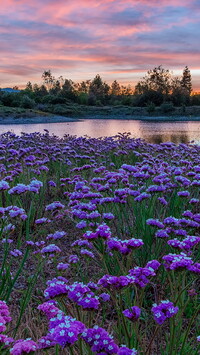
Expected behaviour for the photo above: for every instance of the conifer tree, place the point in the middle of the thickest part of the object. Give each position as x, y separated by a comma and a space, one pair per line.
186, 81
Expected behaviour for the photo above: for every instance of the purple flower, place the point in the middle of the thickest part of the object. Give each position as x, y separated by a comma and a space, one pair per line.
156, 188
142, 197
123, 350
161, 233
162, 201
19, 189
73, 259
185, 244
82, 243
105, 297
51, 183
81, 224
67, 331
133, 313
163, 311
4, 185
195, 268
89, 302
63, 330
7, 341
108, 216
4, 312
56, 287
99, 340
87, 253
171, 220
183, 193
16, 253
140, 276
51, 248
35, 185
23, 347
54, 206
194, 200
154, 222
62, 266
42, 220
56, 235
153, 264
93, 215
114, 282
103, 231
177, 261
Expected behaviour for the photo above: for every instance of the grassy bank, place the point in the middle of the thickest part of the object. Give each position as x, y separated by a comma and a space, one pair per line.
75, 111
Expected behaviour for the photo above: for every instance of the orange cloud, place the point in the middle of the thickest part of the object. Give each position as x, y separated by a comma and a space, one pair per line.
85, 37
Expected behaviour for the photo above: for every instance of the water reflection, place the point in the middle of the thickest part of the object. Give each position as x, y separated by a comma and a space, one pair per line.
152, 132
161, 138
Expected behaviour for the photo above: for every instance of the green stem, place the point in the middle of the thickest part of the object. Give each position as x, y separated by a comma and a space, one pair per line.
149, 346
188, 329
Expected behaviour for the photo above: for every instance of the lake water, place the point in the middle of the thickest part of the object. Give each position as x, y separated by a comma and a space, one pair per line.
153, 132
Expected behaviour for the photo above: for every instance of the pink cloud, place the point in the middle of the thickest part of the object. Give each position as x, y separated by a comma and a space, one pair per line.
84, 37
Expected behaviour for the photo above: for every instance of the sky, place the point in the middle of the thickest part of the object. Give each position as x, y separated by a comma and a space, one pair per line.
118, 39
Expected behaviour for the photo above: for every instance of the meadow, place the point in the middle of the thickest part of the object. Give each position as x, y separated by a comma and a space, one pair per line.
99, 246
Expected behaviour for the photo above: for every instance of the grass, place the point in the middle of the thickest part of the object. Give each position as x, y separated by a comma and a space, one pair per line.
102, 112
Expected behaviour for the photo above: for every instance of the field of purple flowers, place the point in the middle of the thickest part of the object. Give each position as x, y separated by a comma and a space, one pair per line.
99, 246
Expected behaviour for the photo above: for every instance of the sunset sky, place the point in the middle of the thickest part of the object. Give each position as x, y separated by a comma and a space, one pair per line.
118, 39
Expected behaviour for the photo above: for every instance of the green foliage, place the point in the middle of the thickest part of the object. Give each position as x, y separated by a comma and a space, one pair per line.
7, 99
167, 107
156, 87
99, 89
27, 102
149, 96
186, 81
53, 99
83, 98
151, 107
157, 79
195, 99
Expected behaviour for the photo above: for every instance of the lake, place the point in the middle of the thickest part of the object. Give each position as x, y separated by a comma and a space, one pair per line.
152, 132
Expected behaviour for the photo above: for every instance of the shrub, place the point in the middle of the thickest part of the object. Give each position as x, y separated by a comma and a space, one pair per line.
83, 98
151, 107
195, 99
167, 107
149, 96
7, 98
27, 102
62, 110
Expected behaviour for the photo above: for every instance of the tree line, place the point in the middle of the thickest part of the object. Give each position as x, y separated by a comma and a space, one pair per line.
156, 88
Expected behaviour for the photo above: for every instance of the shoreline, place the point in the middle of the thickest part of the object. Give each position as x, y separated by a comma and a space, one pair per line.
36, 120
63, 119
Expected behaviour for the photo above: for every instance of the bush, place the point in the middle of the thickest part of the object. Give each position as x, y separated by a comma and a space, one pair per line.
42, 107
62, 110
27, 102
195, 99
7, 99
151, 107
83, 98
126, 100
167, 107
149, 96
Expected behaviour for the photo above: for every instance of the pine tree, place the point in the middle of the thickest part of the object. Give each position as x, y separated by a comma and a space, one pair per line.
186, 81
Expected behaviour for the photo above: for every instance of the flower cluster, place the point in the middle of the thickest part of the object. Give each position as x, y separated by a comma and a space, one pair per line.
163, 311
63, 330
124, 246
100, 341
133, 313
